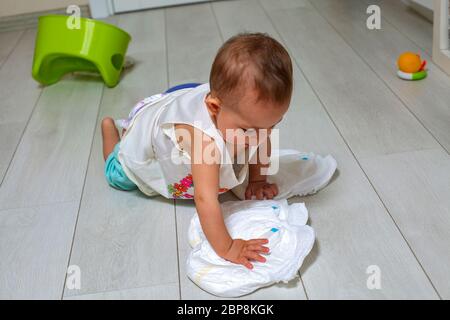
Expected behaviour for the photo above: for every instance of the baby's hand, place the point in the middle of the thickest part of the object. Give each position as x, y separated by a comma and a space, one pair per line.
261, 189
242, 251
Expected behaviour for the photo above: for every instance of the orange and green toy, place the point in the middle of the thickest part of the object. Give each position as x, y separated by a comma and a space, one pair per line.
91, 46
411, 66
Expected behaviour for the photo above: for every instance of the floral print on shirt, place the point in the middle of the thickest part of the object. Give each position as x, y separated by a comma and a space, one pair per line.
179, 190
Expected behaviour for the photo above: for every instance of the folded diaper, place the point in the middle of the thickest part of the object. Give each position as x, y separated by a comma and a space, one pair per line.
290, 240
298, 173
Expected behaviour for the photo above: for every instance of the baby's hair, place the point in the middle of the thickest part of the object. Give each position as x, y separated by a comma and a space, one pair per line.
252, 61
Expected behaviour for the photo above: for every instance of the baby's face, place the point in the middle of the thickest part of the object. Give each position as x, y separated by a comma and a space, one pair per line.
249, 121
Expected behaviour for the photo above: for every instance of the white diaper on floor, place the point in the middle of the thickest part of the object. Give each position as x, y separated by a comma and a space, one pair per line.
290, 241
298, 174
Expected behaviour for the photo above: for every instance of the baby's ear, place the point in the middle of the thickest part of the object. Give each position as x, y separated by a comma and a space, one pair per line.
213, 104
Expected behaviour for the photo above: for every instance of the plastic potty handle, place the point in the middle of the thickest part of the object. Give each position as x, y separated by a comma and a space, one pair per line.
94, 46
412, 76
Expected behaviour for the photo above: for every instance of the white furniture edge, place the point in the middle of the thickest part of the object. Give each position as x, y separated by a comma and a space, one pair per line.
441, 49
101, 8
104, 8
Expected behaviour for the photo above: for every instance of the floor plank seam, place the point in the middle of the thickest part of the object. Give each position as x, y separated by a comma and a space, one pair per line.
82, 189
13, 48
39, 205
222, 38
178, 251
166, 48
21, 137
351, 151
387, 154
166, 44
303, 286
379, 77
428, 51
31, 113
119, 290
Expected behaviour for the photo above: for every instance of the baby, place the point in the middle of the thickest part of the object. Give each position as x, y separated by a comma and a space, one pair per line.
213, 136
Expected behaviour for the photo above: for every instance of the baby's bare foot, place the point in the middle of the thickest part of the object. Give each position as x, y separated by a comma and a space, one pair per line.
110, 136
108, 124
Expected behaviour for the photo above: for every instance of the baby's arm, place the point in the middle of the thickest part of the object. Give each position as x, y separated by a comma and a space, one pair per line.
205, 175
206, 182
258, 185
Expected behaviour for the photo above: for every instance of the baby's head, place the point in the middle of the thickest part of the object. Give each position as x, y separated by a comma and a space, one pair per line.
251, 83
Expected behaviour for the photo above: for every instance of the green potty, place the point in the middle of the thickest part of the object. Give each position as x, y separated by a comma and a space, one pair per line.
94, 47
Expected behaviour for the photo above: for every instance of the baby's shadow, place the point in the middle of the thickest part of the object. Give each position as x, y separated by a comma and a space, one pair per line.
129, 65
294, 283
158, 198
315, 251
310, 258
228, 196
336, 175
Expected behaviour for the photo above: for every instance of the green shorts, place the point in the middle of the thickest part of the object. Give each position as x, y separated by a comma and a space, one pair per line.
114, 173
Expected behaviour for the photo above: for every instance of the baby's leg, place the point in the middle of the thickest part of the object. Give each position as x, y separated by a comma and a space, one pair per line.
110, 136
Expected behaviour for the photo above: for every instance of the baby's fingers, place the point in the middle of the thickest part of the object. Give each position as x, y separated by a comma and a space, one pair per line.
260, 194
268, 193
246, 263
253, 255
257, 241
248, 194
274, 189
258, 248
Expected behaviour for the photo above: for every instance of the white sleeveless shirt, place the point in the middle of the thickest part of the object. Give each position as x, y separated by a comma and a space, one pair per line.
149, 152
